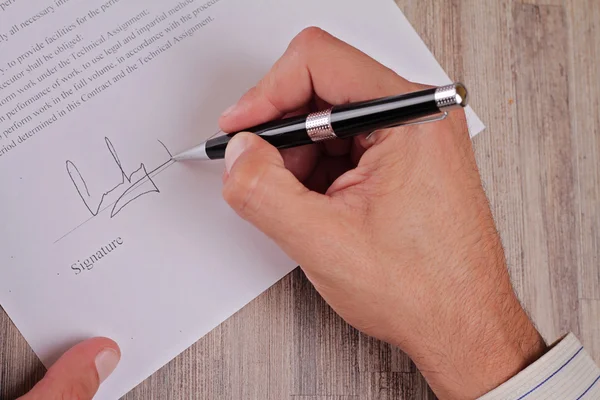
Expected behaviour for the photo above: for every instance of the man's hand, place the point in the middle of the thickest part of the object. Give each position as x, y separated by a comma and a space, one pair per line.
78, 374
395, 231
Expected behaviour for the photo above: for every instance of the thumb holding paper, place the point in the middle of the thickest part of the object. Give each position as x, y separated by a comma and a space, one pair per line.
79, 373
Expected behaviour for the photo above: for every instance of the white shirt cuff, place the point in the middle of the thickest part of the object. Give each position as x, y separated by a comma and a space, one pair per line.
565, 372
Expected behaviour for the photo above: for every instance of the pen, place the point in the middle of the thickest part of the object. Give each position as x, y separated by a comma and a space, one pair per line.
344, 121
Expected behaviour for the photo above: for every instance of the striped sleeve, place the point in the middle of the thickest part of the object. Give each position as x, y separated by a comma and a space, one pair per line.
565, 372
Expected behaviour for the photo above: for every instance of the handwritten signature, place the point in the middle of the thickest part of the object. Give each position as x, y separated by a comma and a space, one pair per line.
124, 192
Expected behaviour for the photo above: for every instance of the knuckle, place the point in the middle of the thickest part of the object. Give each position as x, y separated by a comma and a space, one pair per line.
76, 391
250, 95
55, 386
309, 37
244, 191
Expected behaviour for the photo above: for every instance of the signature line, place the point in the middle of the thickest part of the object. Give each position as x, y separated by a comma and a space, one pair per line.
151, 174
119, 204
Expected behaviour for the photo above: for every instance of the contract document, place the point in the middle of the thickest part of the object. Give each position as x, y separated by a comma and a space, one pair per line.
102, 234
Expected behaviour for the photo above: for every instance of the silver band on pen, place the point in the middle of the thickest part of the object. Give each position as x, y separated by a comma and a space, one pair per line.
318, 126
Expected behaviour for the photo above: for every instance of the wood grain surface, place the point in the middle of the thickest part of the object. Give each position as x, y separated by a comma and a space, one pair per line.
532, 67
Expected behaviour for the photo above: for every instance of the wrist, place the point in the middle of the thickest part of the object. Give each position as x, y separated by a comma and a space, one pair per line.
485, 351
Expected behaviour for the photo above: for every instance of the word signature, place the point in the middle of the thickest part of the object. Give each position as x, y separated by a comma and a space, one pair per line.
124, 191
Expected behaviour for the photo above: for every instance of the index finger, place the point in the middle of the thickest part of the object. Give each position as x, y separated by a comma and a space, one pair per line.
315, 63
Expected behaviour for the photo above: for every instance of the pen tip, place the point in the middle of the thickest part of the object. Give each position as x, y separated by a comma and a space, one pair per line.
196, 153
179, 157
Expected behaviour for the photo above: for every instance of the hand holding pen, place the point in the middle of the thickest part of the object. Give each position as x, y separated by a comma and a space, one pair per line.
394, 229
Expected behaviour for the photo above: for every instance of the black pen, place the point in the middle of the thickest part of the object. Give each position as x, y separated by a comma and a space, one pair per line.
344, 121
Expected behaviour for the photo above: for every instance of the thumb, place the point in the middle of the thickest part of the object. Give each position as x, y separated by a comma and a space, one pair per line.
265, 193
79, 372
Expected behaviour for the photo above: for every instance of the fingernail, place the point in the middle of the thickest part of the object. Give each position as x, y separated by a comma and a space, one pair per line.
234, 150
106, 362
229, 110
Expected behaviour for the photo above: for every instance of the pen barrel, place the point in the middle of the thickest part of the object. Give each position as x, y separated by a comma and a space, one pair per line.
290, 132
344, 121
366, 117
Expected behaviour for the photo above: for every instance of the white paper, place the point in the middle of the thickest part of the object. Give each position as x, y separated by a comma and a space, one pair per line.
180, 260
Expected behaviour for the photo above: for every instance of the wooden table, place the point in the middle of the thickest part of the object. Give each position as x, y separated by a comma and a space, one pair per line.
532, 67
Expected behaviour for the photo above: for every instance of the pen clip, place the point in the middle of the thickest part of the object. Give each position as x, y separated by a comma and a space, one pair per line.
420, 121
